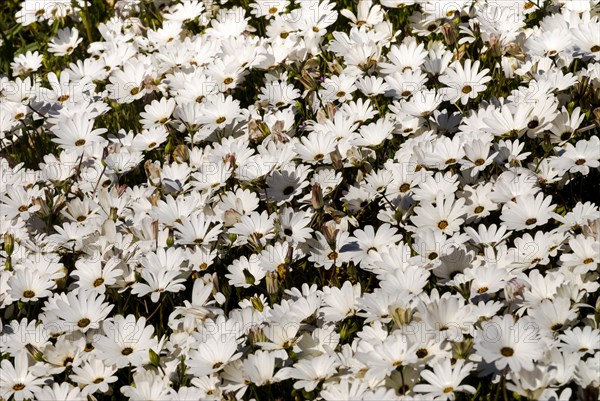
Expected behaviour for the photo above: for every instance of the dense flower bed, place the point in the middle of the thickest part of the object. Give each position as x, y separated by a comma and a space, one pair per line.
288, 200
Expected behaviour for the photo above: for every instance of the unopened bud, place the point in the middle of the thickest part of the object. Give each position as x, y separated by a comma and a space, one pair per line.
449, 33
257, 304
181, 154
401, 317
230, 158
249, 277
272, 282
495, 45
513, 289
253, 131
256, 335
330, 231
152, 172
35, 353
263, 128
170, 238
317, 197
44, 210
336, 159
113, 214
9, 244
231, 217
463, 349
154, 198
154, 358
597, 116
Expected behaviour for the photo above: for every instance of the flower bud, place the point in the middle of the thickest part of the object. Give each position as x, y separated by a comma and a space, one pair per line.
513, 289
257, 304
256, 335
317, 197
9, 244
449, 33
154, 358
113, 214
597, 115
249, 277
272, 280
170, 238
152, 172
181, 154
330, 231
336, 159
35, 353
401, 317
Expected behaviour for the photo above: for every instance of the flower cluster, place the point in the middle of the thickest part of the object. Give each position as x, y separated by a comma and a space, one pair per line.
300, 199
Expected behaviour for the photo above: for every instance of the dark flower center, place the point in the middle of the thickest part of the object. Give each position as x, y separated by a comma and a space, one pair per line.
507, 351
422, 353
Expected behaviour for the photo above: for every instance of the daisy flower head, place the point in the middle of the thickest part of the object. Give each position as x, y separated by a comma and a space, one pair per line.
445, 380
65, 42
126, 340
25, 64
445, 215
464, 82
268, 8
527, 212
579, 158
77, 134
506, 341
